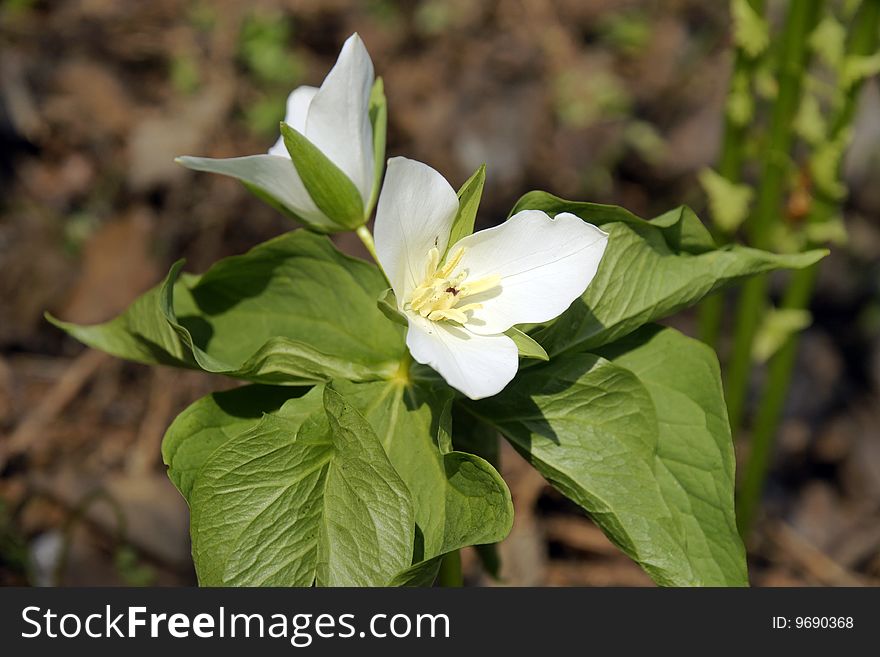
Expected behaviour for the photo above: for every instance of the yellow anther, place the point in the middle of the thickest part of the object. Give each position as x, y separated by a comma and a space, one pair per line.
419, 297
433, 261
439, 297
452, 263
450, 314
458, 280
481, 285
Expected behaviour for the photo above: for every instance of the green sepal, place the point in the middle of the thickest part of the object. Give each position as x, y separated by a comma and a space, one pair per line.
468, 202
379, 120
332, 191
526, 345
387, 303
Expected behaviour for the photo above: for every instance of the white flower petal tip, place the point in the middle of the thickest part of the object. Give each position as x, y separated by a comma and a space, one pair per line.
478, 366
338, 117
460, 299
335, 118
415, 214
298, 103
543, 264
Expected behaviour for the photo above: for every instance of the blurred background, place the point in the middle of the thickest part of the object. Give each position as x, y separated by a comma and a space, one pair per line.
616, 101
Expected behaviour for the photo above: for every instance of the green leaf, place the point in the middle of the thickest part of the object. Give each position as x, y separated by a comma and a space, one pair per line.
209, 422
729, 202
140, 333
473, 435
420, 574
740, 104
468, 202
527, 347
829, 231
332, 191
387, 303
292, 503
810, 123
379, 120
695, 459
828, 41
778, 325
267, 177
750, 30
638, 436
856, 68
291, 311
825, 165
490, 559
680, 227
459, 498
650, 269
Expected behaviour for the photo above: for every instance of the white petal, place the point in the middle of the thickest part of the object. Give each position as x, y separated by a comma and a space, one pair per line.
415, 213
544, 265
273, 174
298, 103
477, 365
338, 121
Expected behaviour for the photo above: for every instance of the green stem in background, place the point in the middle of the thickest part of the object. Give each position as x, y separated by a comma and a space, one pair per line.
709, 319
794, 57
450, 571
863, 41
730, 163
766, 422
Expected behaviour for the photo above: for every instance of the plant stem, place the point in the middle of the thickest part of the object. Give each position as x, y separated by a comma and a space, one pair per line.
766, 422
863, 41
730, 165
367, 238
450, 571
709, 319
802, 18
402, 373
733, 142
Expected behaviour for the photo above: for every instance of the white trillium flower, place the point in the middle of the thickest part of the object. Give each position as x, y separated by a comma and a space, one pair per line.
335, 118
527, 270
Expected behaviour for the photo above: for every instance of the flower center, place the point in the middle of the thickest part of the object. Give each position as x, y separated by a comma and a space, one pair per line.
441, 296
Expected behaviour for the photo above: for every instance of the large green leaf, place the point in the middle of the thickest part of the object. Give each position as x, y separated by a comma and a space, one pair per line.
141, 333
459, 498
212, 420
475, 436
695, 458
650, 270
292, 502
291, 311
638, 438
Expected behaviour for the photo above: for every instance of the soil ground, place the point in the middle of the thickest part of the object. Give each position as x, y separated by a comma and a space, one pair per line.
617, 102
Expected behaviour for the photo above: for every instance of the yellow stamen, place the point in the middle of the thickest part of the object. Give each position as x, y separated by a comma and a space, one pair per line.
441, 295
450, 266
433, 261
450, 314
481, 285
